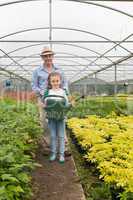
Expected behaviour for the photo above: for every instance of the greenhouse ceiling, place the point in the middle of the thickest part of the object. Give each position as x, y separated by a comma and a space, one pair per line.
89, 38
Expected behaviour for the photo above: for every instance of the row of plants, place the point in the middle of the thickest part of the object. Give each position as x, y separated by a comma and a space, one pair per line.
102, 106
94, 188
19, 132
108, 144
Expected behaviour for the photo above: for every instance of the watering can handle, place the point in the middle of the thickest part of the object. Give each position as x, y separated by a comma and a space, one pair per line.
81, 97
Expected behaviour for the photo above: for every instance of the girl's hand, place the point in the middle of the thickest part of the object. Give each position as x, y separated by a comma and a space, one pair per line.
44, 105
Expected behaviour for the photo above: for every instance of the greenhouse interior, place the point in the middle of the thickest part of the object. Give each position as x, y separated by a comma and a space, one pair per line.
91, 44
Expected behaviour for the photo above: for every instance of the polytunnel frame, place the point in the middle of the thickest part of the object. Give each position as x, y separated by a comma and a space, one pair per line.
114, 63
60, 44
65, 28
61, 28
50, 1
70, 54
63, 44
79, 1
78, 63
12, 59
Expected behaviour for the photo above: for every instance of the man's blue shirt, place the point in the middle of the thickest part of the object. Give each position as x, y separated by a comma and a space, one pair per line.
40, 76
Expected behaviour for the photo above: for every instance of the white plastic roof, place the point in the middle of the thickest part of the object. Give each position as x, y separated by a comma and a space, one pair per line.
86, 36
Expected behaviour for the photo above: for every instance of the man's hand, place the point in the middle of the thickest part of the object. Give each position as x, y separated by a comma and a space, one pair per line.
33, 96
72, 100
40, 103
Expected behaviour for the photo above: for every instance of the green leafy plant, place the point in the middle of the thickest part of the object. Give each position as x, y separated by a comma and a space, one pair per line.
19, 132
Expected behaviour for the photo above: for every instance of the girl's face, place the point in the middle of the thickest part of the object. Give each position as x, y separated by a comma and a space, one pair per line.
55, 82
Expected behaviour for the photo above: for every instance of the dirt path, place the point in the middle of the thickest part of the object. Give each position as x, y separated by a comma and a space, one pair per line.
55, 181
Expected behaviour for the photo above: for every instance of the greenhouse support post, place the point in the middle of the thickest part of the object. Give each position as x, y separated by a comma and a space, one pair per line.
115, 83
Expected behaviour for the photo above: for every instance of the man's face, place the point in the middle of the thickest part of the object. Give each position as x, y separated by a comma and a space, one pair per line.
48, 59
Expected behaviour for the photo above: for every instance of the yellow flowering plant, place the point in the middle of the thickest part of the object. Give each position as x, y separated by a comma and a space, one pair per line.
109, 144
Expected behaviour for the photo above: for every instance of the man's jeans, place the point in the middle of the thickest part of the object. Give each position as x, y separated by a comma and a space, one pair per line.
57, 131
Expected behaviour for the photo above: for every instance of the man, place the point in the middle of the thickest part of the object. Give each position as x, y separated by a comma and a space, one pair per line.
39, 84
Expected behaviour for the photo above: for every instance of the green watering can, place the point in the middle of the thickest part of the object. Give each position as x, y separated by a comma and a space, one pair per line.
56, 107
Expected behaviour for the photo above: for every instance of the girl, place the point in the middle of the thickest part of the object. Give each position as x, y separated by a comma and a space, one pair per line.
56, 125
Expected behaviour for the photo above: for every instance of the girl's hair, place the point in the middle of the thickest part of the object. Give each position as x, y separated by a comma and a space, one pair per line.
52, 74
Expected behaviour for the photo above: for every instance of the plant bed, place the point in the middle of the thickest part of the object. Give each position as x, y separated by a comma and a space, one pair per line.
19, 132
113, 157
94, 188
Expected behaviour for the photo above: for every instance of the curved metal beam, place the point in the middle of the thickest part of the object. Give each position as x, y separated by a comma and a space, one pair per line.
16, 75
13, 2
73, 45
72, 29
55, 27
63, 28
79, 64
41, 28
103, 55
79, 1
104, 6
16, 2
131, 55
56, 52
14, 61
75, 62
56, 58
78, 46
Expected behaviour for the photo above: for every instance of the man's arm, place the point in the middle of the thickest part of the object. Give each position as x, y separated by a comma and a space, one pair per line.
65, 83
34, 84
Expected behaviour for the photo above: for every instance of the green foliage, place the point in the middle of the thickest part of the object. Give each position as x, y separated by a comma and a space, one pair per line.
108, 143
101, 106
19, 131
126, 196
101, 192
94, 188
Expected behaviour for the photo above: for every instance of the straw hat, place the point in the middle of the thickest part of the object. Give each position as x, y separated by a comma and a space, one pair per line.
46, 51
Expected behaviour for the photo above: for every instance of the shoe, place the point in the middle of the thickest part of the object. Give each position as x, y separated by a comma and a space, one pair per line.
61, 159
52, 157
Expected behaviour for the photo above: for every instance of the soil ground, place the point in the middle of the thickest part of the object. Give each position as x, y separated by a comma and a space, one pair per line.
55, 181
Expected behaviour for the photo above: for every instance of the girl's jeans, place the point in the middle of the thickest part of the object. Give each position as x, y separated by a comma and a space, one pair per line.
57, 131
